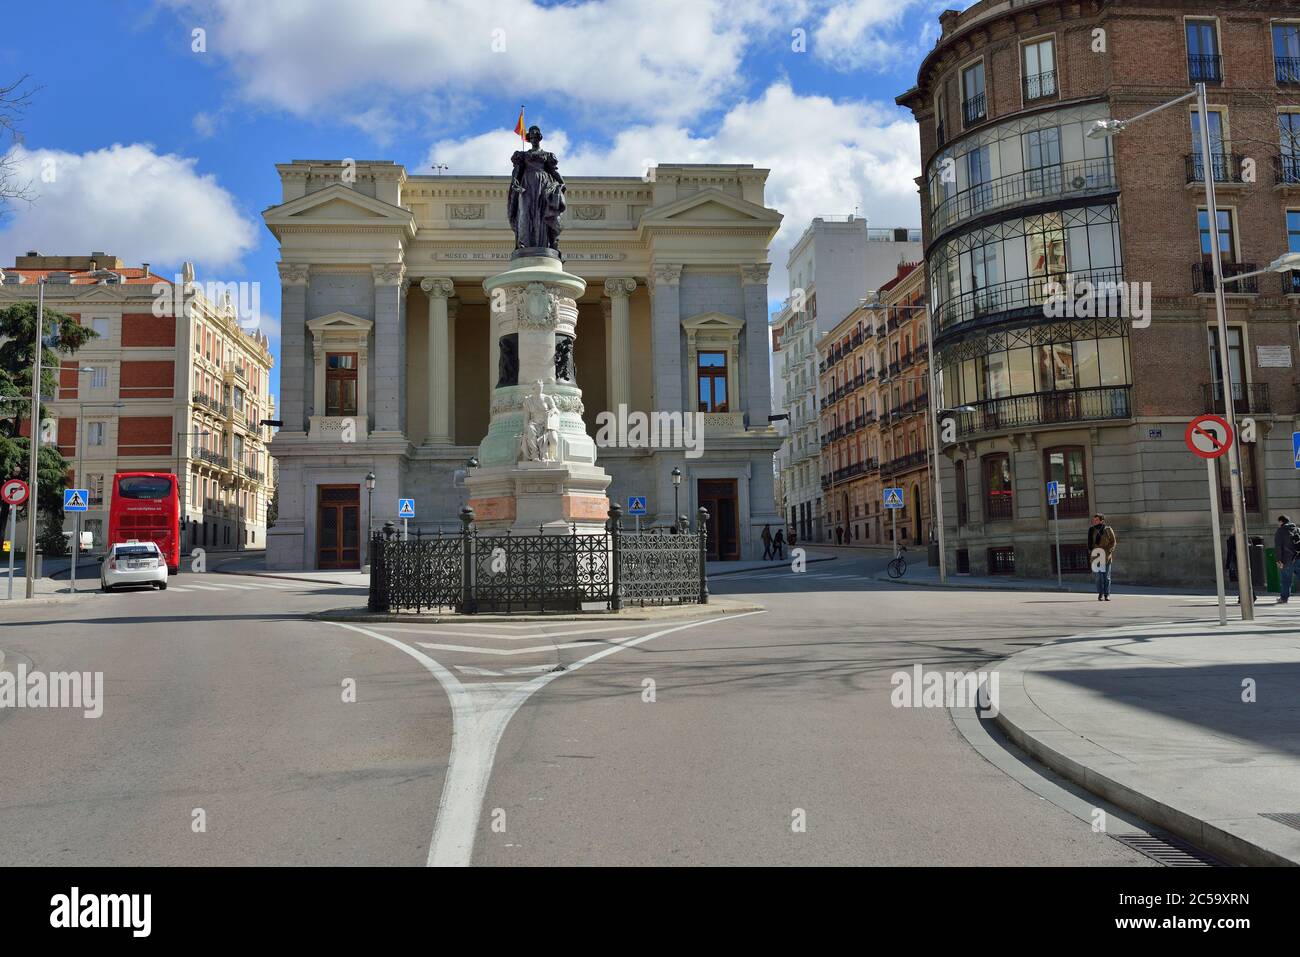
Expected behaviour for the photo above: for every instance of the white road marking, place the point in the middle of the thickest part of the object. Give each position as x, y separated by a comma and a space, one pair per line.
448, 633
530, 650
479, 715
202, 587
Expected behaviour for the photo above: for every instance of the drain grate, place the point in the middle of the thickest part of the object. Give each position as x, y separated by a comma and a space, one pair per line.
1289, 818
1169, 850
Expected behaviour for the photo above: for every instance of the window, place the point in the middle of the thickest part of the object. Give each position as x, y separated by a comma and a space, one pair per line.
1249, 484
95, 486
1042, 156
1288, 124
99, 378
1218, 145
341, 383
1237, 364
99, 326
1286, 52
1039, 69
960, 482
1227, 240
973, 105
1204, 65
1066, 466
941, 116
1002, 561
997, 487
95, 433
711, 373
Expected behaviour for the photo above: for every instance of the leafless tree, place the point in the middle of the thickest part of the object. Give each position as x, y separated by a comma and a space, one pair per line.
15, 97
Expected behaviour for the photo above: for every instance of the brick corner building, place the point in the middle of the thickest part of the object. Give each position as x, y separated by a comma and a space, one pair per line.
1018, 201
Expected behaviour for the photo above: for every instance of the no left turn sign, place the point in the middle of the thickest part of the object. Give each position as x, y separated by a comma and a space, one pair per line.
1208, 436
14, 491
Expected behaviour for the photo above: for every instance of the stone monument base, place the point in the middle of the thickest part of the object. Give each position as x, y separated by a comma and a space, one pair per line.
544, 497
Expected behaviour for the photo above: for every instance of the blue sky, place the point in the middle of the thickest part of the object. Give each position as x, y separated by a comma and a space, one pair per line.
142, 146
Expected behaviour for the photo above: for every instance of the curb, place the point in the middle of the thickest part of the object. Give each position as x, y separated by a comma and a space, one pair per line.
1229, 847
712, 609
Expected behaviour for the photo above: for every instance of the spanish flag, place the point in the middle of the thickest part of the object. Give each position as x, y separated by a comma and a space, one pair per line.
519, 127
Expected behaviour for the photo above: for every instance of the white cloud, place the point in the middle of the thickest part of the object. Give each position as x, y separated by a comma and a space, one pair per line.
330, 56
129, 201
825, 157
858, 34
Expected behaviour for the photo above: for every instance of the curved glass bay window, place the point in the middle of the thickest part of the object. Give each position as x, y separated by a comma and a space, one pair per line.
1028, 159
1012, 268
1052, 372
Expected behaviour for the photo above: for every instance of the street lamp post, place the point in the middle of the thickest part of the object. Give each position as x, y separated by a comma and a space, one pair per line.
677, 483
370, 498
1106, 128
35, 440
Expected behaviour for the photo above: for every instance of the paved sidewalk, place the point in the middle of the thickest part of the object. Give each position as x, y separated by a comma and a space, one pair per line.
1152, 719
919, 573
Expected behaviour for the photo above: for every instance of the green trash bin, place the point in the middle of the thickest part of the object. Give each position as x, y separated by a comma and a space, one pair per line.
1271, 575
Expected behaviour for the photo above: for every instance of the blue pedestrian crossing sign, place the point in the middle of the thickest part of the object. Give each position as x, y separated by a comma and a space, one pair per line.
1295, 448
636, 504
893, 498
75, 499
1053, 493
406, 508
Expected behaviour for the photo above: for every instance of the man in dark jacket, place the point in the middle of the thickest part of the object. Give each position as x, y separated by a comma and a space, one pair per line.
778, 545
767, 542
1286, 554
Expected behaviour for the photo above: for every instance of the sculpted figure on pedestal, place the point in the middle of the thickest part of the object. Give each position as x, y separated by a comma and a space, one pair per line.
536, 199
540, 439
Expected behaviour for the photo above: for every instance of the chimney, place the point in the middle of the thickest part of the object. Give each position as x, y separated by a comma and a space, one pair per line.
144, 270
94, 265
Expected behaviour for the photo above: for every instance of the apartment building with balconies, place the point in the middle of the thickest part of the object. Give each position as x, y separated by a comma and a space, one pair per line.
170, 383
1064, 380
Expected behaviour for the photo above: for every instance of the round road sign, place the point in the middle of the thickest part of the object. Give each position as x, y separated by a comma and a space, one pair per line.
14, 491
1208, 436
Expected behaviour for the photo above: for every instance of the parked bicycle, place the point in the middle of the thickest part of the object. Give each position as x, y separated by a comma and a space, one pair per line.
898, 564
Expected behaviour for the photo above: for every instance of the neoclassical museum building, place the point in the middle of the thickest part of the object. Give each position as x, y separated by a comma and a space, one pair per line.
388, 363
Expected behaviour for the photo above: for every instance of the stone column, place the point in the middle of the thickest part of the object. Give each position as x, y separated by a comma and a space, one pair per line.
438, 363
620, 342
758, 389
389, 361
664, 282
293, 340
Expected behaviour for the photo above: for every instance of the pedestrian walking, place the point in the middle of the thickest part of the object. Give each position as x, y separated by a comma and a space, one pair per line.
1101, 552
778, 545
1230, 566
767, 543
1286, 552
839, 534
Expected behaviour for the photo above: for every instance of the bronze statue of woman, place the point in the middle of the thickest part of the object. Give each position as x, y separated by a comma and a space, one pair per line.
536, 198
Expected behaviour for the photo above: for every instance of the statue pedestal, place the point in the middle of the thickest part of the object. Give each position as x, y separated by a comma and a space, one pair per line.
534, 315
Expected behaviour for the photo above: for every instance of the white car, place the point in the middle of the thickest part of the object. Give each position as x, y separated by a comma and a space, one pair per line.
133, 563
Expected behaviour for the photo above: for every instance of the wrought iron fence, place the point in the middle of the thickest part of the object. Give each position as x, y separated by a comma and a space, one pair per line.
470, 572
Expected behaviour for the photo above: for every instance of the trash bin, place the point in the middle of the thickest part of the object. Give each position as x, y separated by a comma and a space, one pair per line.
933, 555
1273, 579
1255, 552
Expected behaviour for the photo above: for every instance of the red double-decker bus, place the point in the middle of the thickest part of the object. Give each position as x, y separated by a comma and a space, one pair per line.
145, 506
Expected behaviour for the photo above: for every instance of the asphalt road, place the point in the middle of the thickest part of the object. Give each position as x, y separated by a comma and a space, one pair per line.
221, 696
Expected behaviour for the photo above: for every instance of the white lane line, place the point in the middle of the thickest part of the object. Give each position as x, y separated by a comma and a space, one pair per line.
479, 715
530, 650
177, 588
252, 584
202, 587
479, 672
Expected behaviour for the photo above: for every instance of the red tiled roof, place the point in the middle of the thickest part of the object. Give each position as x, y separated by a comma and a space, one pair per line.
133, 275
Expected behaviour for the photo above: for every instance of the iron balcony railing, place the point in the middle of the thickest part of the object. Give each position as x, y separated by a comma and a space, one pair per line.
974, 109
1203, 278
1040, 85
1205, 67
1247, 397
1076, 178
1017, 296
1287, 69
1226, 167
1286, 169
998, 505
1045, 408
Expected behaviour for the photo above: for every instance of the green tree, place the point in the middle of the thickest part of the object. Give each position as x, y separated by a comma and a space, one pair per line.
273, 507
63, 337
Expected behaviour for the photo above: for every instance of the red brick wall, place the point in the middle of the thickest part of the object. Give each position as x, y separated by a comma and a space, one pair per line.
68, 379
144, 435
151, 379
146, 329
67, 440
